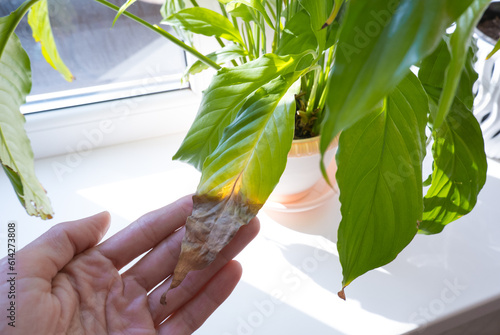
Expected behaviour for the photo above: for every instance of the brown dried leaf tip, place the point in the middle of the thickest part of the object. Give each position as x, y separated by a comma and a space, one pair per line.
341, 294
211, 226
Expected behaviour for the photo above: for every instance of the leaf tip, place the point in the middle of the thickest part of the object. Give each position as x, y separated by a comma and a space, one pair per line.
341, 294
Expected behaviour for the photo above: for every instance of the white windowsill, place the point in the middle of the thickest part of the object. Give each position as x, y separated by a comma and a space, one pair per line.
86, 127
301, 268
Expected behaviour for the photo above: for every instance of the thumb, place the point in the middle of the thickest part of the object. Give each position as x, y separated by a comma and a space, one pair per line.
48, 254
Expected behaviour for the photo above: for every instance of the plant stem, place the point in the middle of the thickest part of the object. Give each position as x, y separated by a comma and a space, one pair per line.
251, 42
165, 34
278, 25
326, 73
195, 4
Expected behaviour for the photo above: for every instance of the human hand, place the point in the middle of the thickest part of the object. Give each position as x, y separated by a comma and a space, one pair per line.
68, 285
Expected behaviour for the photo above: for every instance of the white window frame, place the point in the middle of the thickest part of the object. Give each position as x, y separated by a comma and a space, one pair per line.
85, 127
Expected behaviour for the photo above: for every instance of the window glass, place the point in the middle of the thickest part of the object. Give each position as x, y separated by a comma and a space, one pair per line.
107, 63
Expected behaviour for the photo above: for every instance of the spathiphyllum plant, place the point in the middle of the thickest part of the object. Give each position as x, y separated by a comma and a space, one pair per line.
393, 77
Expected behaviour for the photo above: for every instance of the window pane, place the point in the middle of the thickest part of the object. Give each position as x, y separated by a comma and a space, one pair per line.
108, 63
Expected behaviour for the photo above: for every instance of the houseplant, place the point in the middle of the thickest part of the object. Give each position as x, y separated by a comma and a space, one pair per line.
364, 50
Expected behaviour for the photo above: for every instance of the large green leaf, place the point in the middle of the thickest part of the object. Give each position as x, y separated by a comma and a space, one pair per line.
38, 19
15, 151
206, 22
221, 101
379, 41
459, 168
240, 174
380, 180
459, 44
220, 56
297, 35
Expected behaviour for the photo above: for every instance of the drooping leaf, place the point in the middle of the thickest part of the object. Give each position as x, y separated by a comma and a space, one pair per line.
297, 35
459, 170
379, 41
38, 19
206, 22
256, 5
123, 8
16, 155
380, 180
459, 167
221, 56
459, 45
319, 11
240, 174
221, 101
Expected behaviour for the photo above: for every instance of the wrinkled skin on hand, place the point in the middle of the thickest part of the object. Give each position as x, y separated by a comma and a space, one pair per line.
68, 285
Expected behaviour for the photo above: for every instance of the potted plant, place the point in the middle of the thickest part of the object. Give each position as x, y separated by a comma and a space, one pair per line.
350, 61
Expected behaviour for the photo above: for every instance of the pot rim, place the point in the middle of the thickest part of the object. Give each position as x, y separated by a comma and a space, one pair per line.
308, 146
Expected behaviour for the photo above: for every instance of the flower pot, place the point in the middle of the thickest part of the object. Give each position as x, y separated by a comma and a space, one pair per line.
302, 170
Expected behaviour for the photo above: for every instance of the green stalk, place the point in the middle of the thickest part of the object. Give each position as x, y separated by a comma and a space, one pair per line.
251, 42
223, 11
312, 96
195, 4
273, 14
165, 34
244, 34
277, 32
258, 45
326, 72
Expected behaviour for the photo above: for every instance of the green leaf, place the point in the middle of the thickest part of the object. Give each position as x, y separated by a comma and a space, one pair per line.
319, 11
38, 19
255, 4
459, 44
123, 8
297, 35
206, 22
379, 41
15, 150
459, 168
495, 50
221, 56
433, 70
380, 180
240, 174
229, 89
240, 10
9, 23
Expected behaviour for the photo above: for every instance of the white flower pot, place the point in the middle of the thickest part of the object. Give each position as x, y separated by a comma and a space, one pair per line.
302, 170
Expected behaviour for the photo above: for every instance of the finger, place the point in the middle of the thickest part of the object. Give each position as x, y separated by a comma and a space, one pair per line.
196, 279
49, 253
157, 264
146, 232
194, 313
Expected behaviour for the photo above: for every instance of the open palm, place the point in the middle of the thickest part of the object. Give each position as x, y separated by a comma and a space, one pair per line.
68, 285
